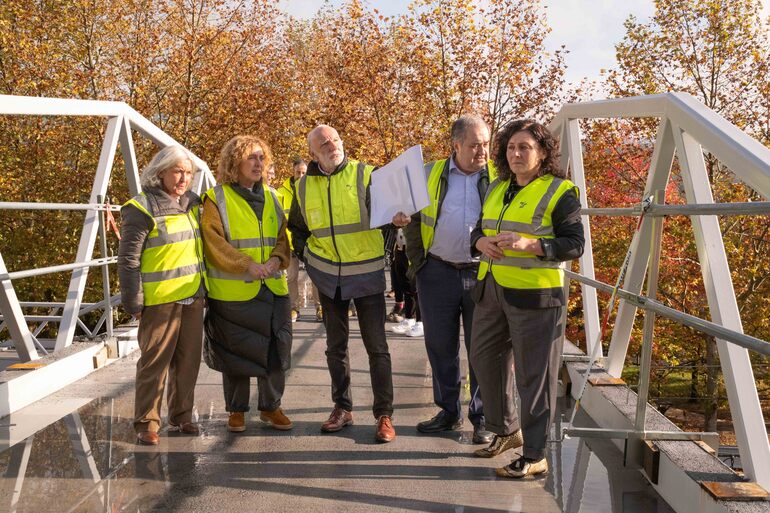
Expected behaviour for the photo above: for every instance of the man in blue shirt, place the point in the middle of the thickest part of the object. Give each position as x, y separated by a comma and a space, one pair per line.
438, 247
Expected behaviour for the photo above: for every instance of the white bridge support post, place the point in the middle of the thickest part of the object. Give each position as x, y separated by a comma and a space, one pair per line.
745, 408
88, 237
641, 244
590, 303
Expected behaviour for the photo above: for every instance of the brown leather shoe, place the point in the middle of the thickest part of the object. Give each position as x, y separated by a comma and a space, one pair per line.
338, 419
276, 419
147, 438
236, 423
385, 430
187, 428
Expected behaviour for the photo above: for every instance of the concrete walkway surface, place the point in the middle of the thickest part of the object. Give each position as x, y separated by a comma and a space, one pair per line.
75, 451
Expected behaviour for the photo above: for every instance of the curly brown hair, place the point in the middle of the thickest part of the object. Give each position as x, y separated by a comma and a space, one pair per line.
544, 138
235, 151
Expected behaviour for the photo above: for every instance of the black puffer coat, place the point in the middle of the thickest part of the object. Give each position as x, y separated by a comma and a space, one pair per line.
246, 338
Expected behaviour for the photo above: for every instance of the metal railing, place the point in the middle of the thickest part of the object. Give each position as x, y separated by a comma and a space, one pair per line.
686, 128
685, 125
122, 121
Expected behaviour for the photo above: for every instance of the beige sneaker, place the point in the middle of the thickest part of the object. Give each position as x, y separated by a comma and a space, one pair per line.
276, 419
500, 444
236, 423
523, 467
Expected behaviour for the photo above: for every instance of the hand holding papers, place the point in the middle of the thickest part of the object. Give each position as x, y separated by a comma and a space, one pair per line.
399, 187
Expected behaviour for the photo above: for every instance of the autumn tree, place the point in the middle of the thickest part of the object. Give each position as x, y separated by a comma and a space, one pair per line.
718, 52
486, 57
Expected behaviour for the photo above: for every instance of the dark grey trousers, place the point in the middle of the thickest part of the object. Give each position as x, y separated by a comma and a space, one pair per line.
371, 321
527, 340
269, 391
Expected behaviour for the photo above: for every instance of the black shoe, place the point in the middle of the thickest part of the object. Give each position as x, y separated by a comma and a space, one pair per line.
440, 422
481, 435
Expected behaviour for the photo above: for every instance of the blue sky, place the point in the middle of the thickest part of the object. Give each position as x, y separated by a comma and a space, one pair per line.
589, 28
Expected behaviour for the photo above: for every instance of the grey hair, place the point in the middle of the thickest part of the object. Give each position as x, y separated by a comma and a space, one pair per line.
463, 124
165, 159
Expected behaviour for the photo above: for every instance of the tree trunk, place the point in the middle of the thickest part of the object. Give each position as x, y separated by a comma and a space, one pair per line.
712, 390
694, 384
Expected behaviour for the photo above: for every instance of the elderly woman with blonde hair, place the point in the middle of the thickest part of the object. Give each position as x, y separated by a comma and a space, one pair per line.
248, 326
160, 265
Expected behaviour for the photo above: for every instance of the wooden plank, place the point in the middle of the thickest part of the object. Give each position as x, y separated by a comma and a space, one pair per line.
26, 366
604, 381
741, 491
100, 358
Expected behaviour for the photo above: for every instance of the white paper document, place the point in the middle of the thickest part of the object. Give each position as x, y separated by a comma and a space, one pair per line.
399, 186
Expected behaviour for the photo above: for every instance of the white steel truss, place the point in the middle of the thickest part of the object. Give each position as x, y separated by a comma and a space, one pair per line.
686, 128
121, 120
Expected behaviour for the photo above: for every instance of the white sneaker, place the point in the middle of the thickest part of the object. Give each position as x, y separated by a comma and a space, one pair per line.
416, 330
403, 326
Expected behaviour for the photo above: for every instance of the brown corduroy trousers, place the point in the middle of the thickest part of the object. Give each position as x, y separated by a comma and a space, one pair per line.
170, 338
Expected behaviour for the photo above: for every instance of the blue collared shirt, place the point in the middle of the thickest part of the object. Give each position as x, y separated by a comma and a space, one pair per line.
459, 212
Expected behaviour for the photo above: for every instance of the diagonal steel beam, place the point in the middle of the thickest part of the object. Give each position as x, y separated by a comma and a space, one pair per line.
129, 158
657, 179
13, 318
88, 237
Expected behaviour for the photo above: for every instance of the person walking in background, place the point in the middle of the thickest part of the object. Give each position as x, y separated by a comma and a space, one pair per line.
397, 274
438, 247
530, 223
248, 327
408, 314
286, 192
160, 265
329, 221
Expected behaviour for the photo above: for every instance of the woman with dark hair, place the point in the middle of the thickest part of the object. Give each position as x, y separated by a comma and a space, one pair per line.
530, 223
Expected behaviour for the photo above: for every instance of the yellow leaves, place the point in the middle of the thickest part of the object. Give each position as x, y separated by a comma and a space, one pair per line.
206, 69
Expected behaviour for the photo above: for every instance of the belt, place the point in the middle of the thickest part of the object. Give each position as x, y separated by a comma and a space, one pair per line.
460, 266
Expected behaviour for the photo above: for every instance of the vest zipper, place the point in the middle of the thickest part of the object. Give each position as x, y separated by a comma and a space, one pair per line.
195, 243
499, 222
331, 225
261, 245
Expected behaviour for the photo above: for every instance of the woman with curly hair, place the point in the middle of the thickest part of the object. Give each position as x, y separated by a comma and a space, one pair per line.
530, 223
248, 326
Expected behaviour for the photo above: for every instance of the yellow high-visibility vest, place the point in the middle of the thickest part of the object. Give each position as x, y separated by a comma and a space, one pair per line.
252, 237
171, 264
529, 214
429, 214
285, 195
334, 207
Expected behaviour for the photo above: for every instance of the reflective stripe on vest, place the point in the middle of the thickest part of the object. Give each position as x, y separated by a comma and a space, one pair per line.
341, 242
250, 236
528, 214
429, 215
171, 267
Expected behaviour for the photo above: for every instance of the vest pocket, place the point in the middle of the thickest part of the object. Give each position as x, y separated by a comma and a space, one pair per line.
315, 217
